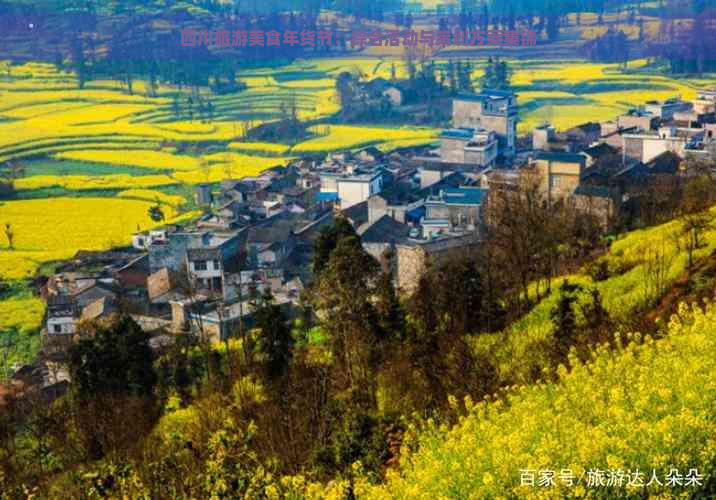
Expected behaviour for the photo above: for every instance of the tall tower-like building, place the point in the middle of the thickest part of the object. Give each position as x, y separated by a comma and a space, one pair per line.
494, 110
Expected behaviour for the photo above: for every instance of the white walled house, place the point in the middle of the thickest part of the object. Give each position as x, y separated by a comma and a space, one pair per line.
354, 187
62, 315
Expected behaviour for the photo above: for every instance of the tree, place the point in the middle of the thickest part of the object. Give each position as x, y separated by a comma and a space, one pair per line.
8, 174
451, 75
390, 311
347, 91
564, 319
465, 77
344, 297
327, 241
10, 235
276, 342
78, 60
496, 75
116, 360
448, 305
156, 213
695, 214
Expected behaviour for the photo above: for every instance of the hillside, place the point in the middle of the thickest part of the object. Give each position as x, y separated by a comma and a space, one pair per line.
646, 406
637, 401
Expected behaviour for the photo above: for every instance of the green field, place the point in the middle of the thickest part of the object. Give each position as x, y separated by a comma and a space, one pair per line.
100, 141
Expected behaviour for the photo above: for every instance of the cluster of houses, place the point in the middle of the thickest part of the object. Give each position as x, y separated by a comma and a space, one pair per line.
408, 207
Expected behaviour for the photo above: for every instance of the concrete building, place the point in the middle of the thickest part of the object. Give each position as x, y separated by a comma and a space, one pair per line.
559, 173
482, 149
542, 136
453, 209
477, 147
211, 258
638, 118
705, 101
665, 109
62, 315
644, 147
453, 143
353, 188
494, 110
142, 241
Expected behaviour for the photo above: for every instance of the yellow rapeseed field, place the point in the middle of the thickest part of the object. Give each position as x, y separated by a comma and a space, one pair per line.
80, 182
50, 229
150, 195
135, 158
349, 136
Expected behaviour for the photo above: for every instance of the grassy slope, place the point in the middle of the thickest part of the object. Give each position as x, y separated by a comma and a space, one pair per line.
647, 406
623, 294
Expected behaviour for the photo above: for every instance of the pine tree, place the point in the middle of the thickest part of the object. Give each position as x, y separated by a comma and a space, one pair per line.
276, 342
564, 319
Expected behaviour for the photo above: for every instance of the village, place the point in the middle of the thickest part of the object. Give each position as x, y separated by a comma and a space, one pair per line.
410, 207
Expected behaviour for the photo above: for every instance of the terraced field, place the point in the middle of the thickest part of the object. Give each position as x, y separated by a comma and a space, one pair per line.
97, 158
94, 154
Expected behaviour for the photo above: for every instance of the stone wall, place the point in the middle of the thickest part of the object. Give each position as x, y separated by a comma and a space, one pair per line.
411, 261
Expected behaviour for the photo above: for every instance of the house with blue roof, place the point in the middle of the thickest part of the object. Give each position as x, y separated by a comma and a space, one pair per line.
471, 146
350, 188
453, 210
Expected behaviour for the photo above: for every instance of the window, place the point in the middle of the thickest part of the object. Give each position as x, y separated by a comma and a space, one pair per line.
216, 265
199, 265
57, 328
554, 181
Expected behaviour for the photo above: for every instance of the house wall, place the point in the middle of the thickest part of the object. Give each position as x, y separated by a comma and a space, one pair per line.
353, 192
68, 325
466, 113
646, 148
140, 241
464, 214
453, 150
377, 250
178, 317
132, 277
632, 147
436, 211
329, 184
642, 122
429, 177
213, 269
410, 265
170, 254
558, 179
654, 147
541, 136
377, 208
411, 261
481, 156
666, 111
603, 209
